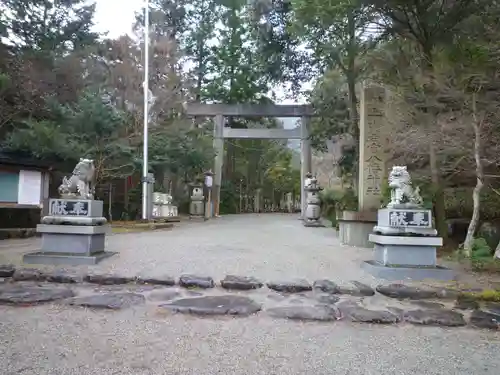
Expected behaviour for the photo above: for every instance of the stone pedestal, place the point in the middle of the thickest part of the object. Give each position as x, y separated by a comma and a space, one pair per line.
73, 233
405, 246
163, 209
355, 227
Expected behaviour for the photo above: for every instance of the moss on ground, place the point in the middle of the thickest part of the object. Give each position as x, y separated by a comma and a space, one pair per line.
489, 295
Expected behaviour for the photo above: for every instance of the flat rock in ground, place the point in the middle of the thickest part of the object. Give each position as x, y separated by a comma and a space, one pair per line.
7, 270
361, 314
164, 295
19, 294
436, 317
326, 286
428, 304
293, 286
193, 293
276, 296
240, 282
401, 291
161, 280
303, 312
327, 299
193, 281
466, 303
493, 308
113, 301
28, 274
483, 319
108, 279
356, 289
215, 305
63, 277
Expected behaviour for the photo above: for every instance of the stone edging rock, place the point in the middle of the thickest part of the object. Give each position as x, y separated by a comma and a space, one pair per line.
326, 294
233, 282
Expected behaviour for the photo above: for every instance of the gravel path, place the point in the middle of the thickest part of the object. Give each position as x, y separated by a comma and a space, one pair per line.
268, 246
60, 340
55, 339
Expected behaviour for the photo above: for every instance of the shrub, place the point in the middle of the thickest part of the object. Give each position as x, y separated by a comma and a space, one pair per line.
333, 201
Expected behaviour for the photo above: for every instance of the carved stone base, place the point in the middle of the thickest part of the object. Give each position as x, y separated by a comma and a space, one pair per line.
313, 223
74, 220
404, 206
72, 239
408, 231
355, 227
399, 273
405, 251
65, 259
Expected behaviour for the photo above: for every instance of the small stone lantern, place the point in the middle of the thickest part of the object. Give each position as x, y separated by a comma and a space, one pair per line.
313, 210
197, 205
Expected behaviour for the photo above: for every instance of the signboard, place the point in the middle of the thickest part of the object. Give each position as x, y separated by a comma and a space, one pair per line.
30, 187
209, 181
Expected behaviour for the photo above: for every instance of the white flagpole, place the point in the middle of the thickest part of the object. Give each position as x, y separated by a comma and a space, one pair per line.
145, 169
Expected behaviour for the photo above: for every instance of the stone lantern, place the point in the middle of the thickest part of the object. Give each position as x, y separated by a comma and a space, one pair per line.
197, 205
313, 210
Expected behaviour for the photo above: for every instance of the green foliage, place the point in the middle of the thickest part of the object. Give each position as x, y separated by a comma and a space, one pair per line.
185, 153
459, 203
480, 249
489, 295
88, 128
48, 26
386, 194
229, 199
4, 81
281, 175
348, 201
331, 103
335, 201
481, 258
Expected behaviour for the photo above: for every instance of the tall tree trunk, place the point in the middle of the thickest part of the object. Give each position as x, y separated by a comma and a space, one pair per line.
437, 186
438, 199
476, 194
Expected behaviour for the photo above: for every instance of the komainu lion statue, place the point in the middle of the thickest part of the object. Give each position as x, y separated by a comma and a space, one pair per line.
402, 192
81, 183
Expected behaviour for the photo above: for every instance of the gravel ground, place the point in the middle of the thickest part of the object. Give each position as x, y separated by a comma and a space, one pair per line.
267, 246
60, 340
55, 339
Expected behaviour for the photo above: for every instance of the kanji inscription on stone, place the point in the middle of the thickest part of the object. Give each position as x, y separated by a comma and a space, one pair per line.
63, 207
419, 219
374, 174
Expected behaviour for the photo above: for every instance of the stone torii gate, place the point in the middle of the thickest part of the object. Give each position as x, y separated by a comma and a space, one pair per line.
219, 111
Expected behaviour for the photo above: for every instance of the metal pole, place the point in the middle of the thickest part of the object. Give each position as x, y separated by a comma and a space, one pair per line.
145, 169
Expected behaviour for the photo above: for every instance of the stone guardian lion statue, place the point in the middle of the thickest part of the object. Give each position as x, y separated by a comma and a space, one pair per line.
402, 192
81, 183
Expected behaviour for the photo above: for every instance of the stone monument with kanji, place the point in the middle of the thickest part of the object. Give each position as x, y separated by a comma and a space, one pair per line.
74, 230
404, 238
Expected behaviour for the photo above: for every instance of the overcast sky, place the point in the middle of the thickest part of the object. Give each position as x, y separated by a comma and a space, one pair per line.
116, 18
